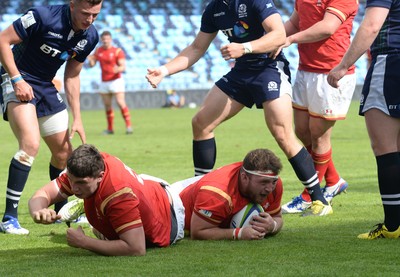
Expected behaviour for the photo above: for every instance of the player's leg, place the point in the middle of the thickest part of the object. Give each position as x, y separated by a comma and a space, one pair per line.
278, 116
120, 98
107, 101
54, 130
23, 122
384, 134
216, 108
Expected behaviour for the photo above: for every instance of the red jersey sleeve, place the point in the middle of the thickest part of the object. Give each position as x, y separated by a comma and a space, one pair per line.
213, 204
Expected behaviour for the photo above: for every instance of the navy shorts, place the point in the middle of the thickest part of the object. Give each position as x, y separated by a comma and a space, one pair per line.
257, 83
47, 99
381, 86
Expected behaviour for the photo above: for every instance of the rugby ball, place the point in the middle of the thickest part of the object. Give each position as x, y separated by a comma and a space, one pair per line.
243, 217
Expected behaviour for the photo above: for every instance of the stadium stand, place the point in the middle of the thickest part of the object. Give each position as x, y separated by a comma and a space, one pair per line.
151, 32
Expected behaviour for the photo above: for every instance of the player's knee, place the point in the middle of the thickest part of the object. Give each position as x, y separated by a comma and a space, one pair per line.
25, 159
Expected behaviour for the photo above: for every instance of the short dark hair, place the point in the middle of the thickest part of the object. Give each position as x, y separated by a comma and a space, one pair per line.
91, 2
105, 33
85, 161
262, 160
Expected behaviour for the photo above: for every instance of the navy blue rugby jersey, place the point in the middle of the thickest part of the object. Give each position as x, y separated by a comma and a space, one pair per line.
240, 20
49, 41
388, 39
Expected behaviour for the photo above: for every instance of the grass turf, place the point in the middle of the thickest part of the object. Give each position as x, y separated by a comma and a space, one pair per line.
161, 146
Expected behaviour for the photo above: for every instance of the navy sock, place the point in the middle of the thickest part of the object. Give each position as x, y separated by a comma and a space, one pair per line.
389, 180
54, 173
17, 176
204, 156
303, 166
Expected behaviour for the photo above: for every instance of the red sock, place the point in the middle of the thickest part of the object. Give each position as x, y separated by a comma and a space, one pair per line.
331, 175
321, 162
110, 119
127, 116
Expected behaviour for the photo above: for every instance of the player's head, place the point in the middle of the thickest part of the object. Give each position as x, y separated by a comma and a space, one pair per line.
85, 170
106, 39
259, 174
84, 13
85, 161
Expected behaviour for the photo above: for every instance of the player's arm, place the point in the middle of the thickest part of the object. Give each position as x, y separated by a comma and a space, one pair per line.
366, 34
72, 89
41, 200
9, 37
185, 59
201, 229
319, 31
131, 243
273, 39
92, 60
120, 66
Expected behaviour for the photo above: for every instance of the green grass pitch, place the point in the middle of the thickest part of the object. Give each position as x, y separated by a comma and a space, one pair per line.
161, 145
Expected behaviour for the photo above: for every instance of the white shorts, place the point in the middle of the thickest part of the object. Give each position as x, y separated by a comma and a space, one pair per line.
312, 93
113, 86
177, 205
53, 124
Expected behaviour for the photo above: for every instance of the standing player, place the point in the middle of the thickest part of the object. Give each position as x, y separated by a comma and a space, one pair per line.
44, 38
211, 202
112, 63
322, 31
254, 29
128, 213
380, 102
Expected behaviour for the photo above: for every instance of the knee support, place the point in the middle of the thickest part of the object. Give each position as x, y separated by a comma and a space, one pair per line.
24, 158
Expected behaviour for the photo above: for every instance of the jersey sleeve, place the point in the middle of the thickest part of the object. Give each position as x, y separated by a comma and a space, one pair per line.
63, 185
264, 9
212, 204
29, 23
207, 19
122, 211
120, 54
343, 9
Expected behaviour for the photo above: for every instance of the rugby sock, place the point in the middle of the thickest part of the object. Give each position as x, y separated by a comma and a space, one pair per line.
204, 156
389, 180
17, 175
303, 166
321, 162
110, 119
54, 173
331, 176
127, 116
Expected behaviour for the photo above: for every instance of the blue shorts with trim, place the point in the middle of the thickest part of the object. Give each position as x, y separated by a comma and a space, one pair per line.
47, 99
256, 83
381, 86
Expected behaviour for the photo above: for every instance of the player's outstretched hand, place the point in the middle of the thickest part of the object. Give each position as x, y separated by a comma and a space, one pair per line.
154, 76
45, 216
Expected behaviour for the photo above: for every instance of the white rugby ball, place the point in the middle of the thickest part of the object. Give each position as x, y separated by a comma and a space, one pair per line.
243, 217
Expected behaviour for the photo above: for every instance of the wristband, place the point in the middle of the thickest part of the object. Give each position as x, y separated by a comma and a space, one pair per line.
164, 71
247, 47
237, 233
275, 227
15, 79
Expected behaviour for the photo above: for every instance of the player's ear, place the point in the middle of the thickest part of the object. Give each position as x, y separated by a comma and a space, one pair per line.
100, 177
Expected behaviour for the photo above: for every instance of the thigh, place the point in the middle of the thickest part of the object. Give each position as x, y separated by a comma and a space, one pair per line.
216, 108
107, 99
383, 131
24, 124
120, 98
